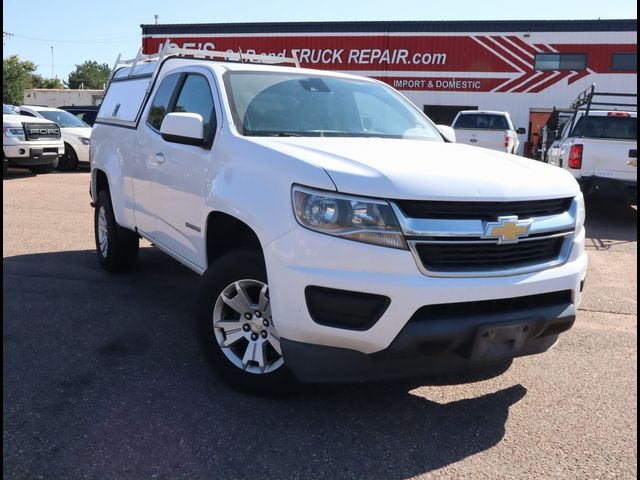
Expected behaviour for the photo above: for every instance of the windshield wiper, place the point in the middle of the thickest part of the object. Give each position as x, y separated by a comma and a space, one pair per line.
283, 134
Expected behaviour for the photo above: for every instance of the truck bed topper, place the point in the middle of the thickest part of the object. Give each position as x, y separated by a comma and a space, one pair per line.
122, 106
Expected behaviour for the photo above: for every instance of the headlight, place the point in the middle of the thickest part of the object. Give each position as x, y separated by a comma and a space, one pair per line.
354, 218
580, 213
85, 141
13, 132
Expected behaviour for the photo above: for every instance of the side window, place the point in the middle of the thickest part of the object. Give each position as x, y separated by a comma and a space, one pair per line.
160, 106
28, 114
195, 97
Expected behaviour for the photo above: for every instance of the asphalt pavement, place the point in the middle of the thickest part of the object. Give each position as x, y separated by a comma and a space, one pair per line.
104, 377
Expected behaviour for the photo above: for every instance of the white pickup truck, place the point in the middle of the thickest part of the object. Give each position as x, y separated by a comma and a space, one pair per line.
487, 129
29, 142
340, 235
601, 151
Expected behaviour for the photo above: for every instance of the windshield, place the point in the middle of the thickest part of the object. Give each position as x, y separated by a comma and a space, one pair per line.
482, 121
7, 110
62, 118
614, 127
292, 104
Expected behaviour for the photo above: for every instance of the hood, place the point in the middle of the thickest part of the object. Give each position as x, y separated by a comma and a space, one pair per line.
84, 132
8, 119
426, 170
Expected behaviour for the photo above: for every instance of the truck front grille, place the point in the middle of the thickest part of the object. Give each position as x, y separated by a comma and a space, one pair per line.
482, 210
39, 131
479, 239
460, 257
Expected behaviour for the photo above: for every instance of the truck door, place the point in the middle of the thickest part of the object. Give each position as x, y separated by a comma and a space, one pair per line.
178, 172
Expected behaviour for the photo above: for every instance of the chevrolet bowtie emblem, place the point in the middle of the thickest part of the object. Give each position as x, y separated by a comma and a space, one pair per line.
507, 229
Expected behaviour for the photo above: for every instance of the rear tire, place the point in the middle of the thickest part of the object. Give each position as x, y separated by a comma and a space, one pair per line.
236, 328
117, 247
69, 161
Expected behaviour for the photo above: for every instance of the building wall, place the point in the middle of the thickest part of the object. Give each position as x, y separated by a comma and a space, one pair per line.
62, 97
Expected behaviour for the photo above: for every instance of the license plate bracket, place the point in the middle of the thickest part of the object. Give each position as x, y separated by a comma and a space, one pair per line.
496, 341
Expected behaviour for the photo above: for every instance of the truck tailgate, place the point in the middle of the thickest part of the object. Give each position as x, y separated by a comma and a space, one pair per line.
608, 158
493, 139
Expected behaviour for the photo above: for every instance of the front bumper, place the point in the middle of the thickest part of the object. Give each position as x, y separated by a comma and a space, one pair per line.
30, 155
437, 344
302, 258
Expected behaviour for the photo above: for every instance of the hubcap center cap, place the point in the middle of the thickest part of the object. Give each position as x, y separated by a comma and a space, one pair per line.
256, 326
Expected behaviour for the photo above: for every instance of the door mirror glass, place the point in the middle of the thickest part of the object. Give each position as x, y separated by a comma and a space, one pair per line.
521, 131
182, 127
447, 132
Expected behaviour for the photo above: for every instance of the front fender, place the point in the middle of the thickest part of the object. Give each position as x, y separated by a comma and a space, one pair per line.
253, 184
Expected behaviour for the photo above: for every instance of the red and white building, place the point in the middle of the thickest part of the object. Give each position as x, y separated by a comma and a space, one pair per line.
523, 67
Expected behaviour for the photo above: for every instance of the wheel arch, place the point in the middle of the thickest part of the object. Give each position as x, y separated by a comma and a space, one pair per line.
224, 233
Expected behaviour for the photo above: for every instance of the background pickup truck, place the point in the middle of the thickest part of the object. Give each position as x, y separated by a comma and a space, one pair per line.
600, 150
487, 129
33, 143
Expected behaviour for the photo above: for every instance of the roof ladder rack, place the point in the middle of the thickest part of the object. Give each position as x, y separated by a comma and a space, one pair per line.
584, 101
172, 50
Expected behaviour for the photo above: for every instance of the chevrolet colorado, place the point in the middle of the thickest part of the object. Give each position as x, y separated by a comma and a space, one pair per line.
340, 235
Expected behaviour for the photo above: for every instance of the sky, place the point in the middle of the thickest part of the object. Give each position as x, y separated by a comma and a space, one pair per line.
57, 36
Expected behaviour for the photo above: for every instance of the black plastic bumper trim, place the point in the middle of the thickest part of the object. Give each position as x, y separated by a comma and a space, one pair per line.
344, 308
440, 345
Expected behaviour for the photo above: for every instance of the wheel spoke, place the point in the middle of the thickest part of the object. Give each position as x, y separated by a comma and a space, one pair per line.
243, 297
248, 354
232, 337
259, 354
263, 301
275, 342
235, 304
228, 324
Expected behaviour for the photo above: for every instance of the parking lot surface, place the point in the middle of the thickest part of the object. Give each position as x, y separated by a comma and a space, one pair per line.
104, 377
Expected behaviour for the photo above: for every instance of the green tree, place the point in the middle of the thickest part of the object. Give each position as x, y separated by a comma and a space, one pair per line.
16, 77
89, 74
40, 82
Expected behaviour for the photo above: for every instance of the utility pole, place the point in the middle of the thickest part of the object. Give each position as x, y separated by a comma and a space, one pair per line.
52, 63
156, 18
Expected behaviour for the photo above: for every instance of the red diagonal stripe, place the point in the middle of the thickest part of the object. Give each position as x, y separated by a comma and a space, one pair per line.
533, 81
492, 48
508, 53
524, 45
544, 48
517, 81
550, 82
577, 76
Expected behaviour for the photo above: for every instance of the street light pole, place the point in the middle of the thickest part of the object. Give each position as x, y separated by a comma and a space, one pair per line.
51, 62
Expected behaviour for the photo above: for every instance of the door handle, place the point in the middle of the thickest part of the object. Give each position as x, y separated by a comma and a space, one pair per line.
474, 140
157, 159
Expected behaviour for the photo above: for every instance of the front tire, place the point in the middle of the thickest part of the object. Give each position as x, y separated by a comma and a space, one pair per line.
69, 161
236, 326
117, 247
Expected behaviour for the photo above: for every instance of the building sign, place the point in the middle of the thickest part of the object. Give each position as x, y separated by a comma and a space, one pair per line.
453, 63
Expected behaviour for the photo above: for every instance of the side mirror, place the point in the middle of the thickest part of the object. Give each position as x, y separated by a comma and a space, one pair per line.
447, 132
521, 131
183, 128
